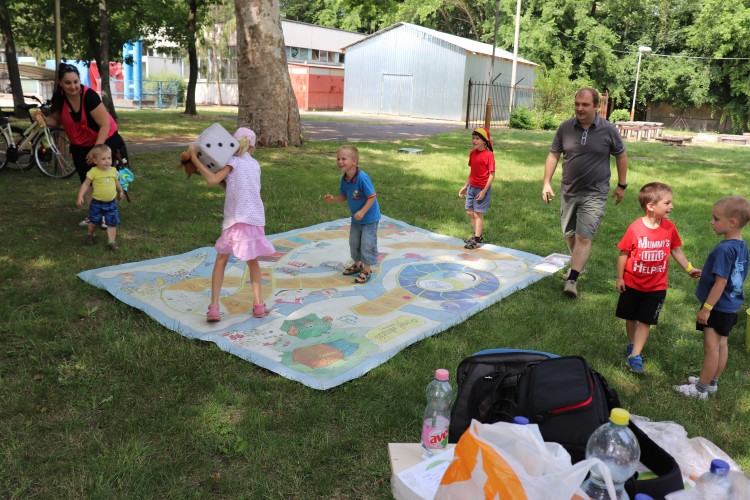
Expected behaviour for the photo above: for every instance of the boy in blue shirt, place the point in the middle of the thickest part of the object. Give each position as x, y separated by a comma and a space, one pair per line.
720, 293
356, 188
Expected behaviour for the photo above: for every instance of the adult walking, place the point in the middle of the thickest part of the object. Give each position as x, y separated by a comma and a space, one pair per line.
81, 113
586, 143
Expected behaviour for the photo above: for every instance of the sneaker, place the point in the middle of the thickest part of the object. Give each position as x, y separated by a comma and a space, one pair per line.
212, 316
571, 289
104, 225
691, 391
85, 222
566, 274
711, 389
112, 246
259, 310
636, 364
629, 350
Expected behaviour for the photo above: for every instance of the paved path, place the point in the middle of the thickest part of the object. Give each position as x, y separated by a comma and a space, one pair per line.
342, 127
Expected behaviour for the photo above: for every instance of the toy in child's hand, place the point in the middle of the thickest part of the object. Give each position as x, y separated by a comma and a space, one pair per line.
187, 164
125, 176
216, 147
126, 179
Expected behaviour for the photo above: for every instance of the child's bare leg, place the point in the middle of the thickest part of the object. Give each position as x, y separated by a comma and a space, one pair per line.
92, 228
478, 223
713, 365
217, 276
111, 234
630, 326
640, 337
254, 267
472, 220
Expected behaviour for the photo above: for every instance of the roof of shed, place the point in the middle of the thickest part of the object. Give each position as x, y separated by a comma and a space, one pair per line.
464, 43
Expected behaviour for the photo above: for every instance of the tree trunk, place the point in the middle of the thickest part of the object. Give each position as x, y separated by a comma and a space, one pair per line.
192, 60
10, 56
102, 61
267, 103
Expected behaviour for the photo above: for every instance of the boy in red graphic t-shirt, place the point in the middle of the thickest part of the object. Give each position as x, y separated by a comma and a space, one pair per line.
642, 268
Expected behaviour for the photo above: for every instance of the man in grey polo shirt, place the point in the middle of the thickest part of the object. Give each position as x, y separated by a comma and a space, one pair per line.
586, 143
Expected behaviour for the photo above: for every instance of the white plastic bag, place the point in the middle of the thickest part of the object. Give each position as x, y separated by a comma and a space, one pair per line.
693, 455
505, 460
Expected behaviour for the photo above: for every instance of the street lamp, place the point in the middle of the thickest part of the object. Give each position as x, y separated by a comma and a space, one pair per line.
641, 50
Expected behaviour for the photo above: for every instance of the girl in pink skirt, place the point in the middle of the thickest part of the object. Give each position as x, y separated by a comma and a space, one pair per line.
243, 231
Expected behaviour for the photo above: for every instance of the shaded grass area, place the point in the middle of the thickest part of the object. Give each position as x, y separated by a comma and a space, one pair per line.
97, 400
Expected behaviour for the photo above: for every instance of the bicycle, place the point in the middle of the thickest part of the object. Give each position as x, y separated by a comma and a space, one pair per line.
48, 148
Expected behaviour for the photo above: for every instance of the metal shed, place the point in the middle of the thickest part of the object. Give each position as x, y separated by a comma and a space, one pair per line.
409, 70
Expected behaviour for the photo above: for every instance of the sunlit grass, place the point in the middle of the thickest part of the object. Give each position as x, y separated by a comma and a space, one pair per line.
98, 400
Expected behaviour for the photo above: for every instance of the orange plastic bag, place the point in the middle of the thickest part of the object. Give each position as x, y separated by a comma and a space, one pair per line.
502, 460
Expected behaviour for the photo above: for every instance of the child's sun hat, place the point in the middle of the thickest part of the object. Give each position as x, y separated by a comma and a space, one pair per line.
246, 133
485, 135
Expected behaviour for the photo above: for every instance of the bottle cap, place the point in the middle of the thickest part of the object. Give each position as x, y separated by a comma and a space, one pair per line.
520, 420
719, 467
619, 416
441, 374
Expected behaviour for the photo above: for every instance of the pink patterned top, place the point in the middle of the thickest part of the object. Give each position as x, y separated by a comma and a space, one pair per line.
243, 202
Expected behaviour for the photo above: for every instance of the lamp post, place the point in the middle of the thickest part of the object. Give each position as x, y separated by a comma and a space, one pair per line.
488, 108
641, 50
515, 59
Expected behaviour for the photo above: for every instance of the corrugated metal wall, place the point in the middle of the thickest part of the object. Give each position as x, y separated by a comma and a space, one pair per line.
406, 72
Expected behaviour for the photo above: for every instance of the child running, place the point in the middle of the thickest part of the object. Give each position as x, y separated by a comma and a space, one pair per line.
356, 188
720, 293
478, 187
106, 189
243, 230
642, 268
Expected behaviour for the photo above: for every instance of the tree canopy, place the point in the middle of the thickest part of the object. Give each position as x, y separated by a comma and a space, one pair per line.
700, 49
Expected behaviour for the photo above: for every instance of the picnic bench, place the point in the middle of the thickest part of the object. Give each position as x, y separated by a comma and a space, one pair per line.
640, 130
675, 140
733, 139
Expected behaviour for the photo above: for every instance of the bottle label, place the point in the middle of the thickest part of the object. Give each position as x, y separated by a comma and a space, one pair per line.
435, 437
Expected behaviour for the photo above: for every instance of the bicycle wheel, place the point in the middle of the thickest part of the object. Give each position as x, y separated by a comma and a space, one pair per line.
16, 160
52, 154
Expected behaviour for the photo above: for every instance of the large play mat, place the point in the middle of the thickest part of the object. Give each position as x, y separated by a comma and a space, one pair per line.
323, 329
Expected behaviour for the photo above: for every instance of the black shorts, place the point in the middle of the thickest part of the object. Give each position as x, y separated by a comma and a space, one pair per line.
721, 322
643, 307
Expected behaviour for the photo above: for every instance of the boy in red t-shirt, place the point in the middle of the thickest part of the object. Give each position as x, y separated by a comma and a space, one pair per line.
477, 189
642, 268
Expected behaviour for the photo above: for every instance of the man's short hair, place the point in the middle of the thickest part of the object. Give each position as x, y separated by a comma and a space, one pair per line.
653, 192
594, 94
735, 207
97, 150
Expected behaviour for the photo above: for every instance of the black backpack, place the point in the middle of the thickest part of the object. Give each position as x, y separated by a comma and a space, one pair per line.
563, 395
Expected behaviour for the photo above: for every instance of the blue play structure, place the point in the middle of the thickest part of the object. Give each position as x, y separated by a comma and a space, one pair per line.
133, 72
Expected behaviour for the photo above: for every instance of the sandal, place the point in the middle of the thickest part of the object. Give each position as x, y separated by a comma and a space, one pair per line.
212, 316
363, 277
353, 269
473, 245
259, 310
90, 240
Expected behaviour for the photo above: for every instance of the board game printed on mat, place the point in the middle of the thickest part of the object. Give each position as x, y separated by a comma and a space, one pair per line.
322, 329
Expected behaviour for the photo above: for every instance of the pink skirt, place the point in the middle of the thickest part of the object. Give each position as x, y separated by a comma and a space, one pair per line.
244, 241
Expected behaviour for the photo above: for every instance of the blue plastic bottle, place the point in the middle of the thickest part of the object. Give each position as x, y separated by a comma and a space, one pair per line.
615, 445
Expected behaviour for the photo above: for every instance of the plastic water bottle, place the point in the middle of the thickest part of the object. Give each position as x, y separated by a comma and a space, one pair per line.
615, 445
716, 483
437, 414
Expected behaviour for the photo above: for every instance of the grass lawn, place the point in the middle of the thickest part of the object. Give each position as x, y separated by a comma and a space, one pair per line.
97, 400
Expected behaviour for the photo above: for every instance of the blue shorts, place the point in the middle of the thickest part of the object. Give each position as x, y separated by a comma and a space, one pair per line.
471, 200
363, 243
106, 209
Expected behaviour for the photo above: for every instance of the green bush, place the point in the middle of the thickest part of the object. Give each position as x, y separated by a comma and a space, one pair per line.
619, 115
521, 118
549, 122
